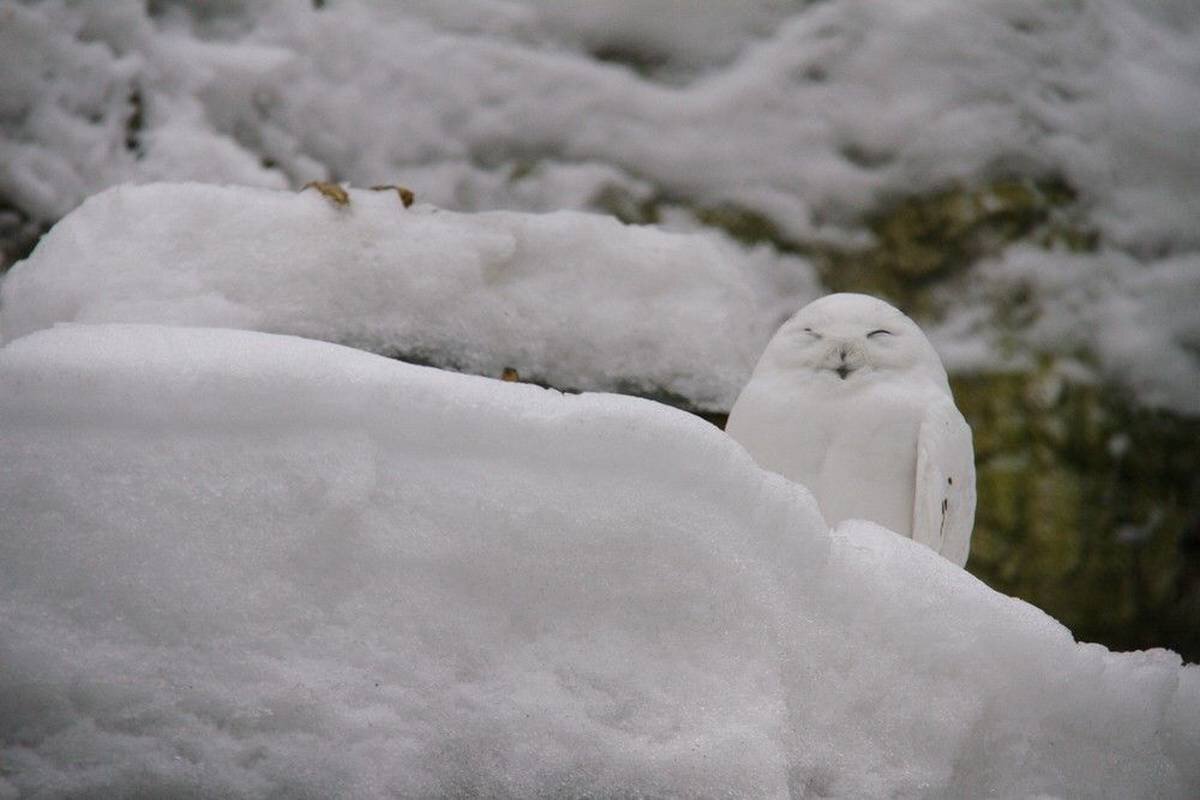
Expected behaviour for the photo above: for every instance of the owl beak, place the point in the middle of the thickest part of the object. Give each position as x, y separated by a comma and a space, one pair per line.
848, 360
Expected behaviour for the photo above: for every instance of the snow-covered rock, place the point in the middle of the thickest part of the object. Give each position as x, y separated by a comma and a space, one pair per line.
571, 299
238, 564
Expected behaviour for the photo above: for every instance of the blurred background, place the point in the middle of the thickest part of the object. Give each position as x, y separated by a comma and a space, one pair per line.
1022, 177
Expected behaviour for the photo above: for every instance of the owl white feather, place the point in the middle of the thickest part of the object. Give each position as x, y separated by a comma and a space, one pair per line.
851, 400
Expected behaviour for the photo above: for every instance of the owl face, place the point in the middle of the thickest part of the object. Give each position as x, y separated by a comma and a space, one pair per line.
849, 337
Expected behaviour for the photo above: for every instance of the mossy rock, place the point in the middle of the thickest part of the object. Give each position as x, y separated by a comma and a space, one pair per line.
921, 241
1088, 507
918, 241
19, 234
748, 227
627, 206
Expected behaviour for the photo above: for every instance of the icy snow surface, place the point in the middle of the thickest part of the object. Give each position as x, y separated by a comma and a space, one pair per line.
236, 564
576, 300
813, 114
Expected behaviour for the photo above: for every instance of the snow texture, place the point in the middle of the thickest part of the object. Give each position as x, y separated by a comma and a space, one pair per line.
1138, 319
1104, 92
236, 564
576, 300
815, 115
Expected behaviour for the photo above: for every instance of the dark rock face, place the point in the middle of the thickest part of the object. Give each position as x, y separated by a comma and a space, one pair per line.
18, 235
1087, 507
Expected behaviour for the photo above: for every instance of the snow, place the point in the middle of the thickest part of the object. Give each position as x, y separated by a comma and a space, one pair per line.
776, 101
571, 299
816, 115
235, 563
241, 564
1138, 319
576, 300
366, 91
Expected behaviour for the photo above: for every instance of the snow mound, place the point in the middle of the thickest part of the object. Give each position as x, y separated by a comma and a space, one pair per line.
238, 564
570, 299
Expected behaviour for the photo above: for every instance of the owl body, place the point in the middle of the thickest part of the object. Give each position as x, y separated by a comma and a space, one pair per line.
850, 400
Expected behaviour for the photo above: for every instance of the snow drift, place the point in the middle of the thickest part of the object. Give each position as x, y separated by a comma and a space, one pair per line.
575, 300
247, 565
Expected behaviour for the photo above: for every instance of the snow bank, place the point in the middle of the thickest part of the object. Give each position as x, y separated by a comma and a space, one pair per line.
246, 565
574, 300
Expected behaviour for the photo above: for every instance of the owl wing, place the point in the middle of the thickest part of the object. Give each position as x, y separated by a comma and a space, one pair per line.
944, 501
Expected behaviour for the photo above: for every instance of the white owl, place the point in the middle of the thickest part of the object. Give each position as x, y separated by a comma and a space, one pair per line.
850, 400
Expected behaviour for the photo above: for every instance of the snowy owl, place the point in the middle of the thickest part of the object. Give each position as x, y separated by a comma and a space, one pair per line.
850, 400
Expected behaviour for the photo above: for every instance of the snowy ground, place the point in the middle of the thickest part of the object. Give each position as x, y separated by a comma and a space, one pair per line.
528, 595
815, 115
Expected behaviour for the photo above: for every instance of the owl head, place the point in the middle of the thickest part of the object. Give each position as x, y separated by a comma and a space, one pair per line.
847, 339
